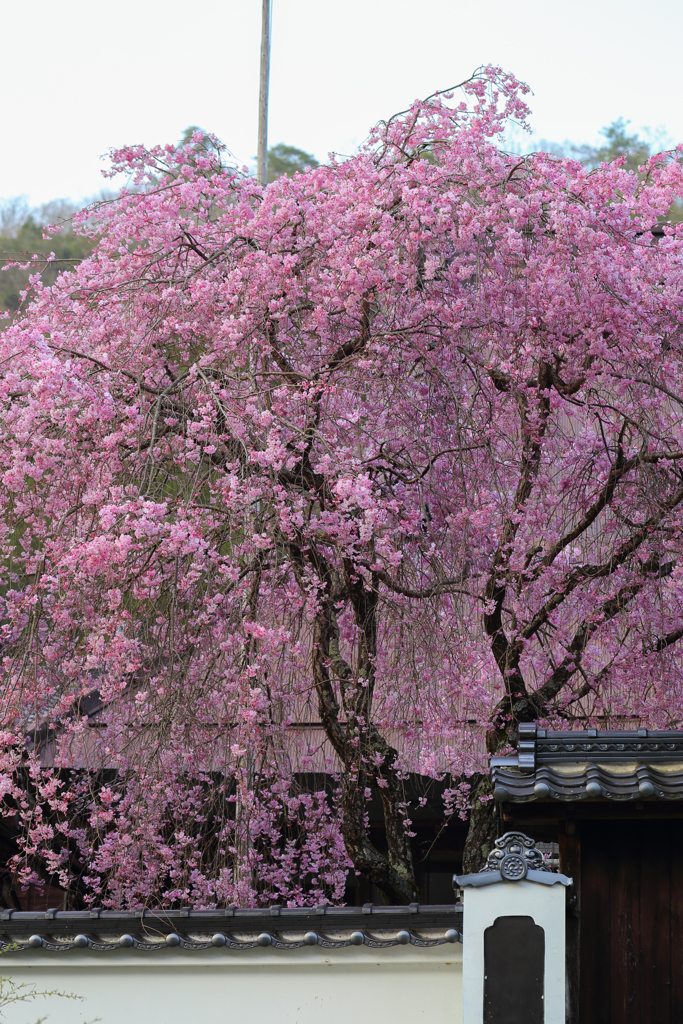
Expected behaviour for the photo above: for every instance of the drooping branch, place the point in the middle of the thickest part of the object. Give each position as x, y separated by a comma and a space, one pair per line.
668, 640
619, 470
608, 610
589, 572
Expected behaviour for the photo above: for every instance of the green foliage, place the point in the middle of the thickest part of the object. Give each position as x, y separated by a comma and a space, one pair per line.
287, 160
282, 159
22, 229
617, 144
635, 150
22, 241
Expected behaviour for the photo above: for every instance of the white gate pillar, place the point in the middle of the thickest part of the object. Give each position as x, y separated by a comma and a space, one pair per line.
514, 969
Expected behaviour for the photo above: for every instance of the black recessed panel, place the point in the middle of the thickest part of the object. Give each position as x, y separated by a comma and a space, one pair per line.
514, 958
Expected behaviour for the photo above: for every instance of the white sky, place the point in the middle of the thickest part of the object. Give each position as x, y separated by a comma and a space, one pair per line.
80, 77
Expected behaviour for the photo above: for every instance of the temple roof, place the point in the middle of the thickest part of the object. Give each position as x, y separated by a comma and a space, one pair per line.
591, 765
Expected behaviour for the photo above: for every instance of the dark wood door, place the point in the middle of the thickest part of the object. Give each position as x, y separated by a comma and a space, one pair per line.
631, 922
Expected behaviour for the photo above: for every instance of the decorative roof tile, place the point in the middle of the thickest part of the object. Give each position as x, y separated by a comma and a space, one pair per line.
514, 858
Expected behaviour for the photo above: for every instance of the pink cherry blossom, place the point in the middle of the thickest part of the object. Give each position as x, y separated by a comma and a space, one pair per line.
310, 487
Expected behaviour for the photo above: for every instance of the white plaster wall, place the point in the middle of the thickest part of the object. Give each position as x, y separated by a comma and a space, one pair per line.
546, 904
399, 985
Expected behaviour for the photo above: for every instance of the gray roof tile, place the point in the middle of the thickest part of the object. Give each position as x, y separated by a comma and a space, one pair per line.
591, 765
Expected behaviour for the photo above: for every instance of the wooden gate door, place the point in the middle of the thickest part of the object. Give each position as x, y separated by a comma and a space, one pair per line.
631, 922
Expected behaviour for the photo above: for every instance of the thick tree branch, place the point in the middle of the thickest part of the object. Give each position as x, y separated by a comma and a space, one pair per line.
496, 587
586, 573
668, 640
619, 470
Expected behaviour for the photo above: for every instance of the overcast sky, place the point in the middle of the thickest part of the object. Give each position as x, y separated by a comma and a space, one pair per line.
80, 77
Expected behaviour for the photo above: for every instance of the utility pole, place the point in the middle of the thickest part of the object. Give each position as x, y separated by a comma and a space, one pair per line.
262, 155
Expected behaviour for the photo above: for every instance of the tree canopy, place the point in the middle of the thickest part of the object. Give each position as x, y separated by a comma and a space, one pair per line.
618, 144
24, 250
299, 481
288, 160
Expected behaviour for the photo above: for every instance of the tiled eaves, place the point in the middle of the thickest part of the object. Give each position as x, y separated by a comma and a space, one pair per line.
586, 782
590, 764
236, 929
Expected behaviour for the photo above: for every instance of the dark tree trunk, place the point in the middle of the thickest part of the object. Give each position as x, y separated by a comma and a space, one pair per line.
483, 830
484, 827
393, 873
368, 760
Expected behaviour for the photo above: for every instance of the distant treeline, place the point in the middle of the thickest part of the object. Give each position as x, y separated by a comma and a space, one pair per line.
21, 240
22, 227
